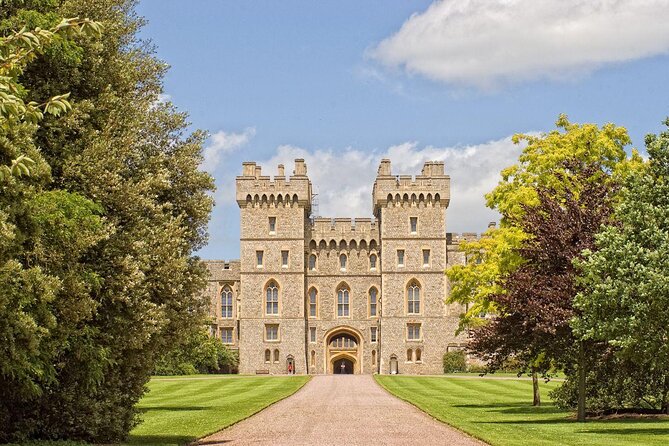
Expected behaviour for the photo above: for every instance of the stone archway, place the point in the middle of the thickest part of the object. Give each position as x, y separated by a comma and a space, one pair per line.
343, 346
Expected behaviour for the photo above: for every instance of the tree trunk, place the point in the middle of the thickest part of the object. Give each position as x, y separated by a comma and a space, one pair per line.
665, 403
535, 388
581, 383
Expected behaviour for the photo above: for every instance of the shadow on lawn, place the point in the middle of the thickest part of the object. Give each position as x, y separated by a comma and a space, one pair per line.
513, 408
163, 440
172, 408
623, 431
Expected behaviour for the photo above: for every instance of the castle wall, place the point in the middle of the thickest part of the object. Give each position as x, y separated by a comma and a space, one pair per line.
396, 199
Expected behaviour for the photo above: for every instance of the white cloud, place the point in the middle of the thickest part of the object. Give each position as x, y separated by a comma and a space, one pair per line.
485, 43
224, 142
344, 179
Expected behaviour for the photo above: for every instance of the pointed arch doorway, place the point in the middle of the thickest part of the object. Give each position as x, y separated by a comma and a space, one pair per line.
343, 351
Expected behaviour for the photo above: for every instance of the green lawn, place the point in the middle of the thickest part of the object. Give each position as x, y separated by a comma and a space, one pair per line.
178, 410
500, 412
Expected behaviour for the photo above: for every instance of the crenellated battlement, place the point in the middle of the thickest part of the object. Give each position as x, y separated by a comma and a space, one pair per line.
223, 270
343, 234
454, 238
430, 188
254, 189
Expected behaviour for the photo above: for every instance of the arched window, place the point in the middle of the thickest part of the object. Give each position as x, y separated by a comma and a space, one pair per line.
342, 262
226, 302
276, 355
372, 262
373, 357
312, 262
418, 355
413, 298
409, 355
272, 298
372, 301
268, 356
313, 302
343, 301
313, 358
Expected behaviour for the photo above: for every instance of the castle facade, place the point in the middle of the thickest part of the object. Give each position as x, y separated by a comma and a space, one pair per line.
321, 295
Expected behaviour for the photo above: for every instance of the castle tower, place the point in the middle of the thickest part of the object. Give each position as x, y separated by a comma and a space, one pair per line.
273, 216
415, 325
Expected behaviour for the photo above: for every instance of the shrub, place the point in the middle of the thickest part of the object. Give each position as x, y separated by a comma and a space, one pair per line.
200, 353
455, 361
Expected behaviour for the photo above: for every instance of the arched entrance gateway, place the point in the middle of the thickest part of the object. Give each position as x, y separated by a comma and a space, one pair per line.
343, 351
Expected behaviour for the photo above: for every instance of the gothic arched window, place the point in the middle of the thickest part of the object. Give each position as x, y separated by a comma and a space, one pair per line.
312, 262
372, 262
343, 301
226, 302
342, 262
413, 298
373, 298
272, 298
313, 302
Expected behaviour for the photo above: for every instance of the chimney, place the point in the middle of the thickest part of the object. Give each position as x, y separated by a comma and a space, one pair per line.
300, 167
248, 169
282, 171
258, 171
427, 169
384, 168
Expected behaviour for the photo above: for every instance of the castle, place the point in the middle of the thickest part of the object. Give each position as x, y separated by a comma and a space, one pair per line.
320, 295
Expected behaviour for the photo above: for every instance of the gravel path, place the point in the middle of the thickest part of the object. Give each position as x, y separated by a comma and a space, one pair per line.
341, 410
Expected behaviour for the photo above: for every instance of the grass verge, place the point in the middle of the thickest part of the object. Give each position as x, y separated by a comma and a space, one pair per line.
500, 412
179, 410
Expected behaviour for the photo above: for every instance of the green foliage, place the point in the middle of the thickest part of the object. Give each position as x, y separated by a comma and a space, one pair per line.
541, 165
198, 353
626, 279
97, 274
455, 361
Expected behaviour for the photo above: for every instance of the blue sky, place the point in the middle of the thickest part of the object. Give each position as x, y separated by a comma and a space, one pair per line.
343, 84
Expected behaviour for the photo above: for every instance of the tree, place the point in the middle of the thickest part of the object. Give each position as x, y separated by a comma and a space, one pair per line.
535, 309
540, 166
122, 173
626, 284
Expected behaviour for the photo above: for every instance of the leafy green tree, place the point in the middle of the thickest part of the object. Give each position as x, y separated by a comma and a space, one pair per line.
98, 277
541, 166
198, 352
534, 312
624, 304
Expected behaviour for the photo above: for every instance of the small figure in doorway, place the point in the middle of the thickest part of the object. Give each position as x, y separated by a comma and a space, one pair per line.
290, 368
343, 368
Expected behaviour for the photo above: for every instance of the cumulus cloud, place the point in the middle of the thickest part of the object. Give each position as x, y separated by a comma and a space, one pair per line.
344, 179
485, 43
221, 143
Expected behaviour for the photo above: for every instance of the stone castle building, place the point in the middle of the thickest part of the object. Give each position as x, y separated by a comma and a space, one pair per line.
321, 295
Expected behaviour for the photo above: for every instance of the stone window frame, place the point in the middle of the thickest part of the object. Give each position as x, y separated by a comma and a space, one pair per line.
373, 266
373, 335
346, 287
268, 356
317, 303
313, 358
278, 298
409, 331
409, 357
260, 258
369, 302
226, 288
413, 282
429, 256
345, 263
313, 335
418, 355
315, 257
232, 335
277, 356
271, 222
374, 360
266, 332
285, 255
413, 225
403, 257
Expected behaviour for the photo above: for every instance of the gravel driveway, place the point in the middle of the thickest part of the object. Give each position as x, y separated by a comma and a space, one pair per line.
340, 410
